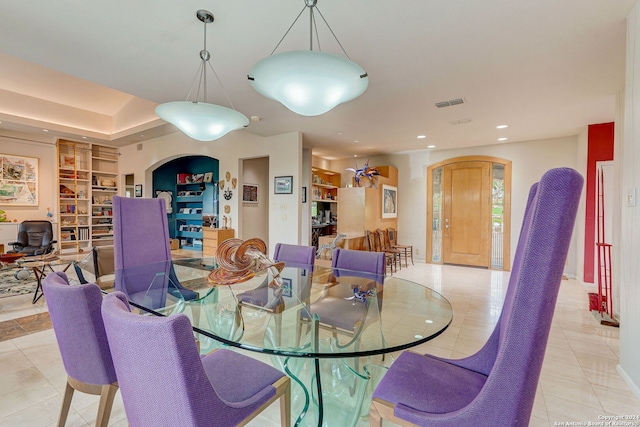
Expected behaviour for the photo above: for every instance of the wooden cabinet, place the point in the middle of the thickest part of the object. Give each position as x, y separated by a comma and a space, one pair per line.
212, 237
87, 181
360, 208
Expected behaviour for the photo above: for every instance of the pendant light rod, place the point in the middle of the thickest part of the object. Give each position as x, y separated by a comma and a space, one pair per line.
204, 53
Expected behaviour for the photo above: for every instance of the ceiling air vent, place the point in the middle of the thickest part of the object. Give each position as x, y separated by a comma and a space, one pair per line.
450, 102
460, 121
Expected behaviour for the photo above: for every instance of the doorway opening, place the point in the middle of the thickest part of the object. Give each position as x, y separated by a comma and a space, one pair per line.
469, 212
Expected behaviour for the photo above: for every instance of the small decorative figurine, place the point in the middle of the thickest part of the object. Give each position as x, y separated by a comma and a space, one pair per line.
365, 172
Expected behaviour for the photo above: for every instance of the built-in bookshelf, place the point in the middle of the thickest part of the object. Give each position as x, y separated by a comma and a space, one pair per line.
189, 197
87, 178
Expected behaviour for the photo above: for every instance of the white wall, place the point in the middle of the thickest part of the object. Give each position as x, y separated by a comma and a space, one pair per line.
627, 248
285, 158
45, 151
255, 216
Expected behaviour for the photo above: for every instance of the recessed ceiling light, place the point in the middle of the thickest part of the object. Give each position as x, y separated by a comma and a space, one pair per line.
84, 137
356, 140
45, 130
502, 126
421, 136
431, 146
502, 139
339, 133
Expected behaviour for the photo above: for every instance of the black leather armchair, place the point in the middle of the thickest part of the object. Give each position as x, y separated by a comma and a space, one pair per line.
34, 238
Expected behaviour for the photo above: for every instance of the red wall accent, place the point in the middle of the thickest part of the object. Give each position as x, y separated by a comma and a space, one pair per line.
600, 148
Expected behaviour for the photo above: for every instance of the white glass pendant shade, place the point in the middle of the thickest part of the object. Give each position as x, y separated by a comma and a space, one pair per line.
308, 82
200, 120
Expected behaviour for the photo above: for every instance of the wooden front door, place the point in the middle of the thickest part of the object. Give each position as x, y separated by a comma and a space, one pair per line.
467, 213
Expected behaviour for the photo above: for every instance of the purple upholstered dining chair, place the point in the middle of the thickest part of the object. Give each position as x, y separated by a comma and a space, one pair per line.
77, 323
165, 382
495, 386
369, 262
142, 251
294, 254
335, 311
297, 256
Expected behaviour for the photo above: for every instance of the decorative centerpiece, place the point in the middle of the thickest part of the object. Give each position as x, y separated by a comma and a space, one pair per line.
239, 261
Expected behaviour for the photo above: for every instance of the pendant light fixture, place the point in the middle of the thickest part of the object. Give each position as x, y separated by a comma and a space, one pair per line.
309, 82
201, 120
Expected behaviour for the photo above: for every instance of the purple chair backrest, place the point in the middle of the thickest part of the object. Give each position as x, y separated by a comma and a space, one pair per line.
161, 376
141, 247
140, 232
370, 262
525, 321
299, 255
77, 323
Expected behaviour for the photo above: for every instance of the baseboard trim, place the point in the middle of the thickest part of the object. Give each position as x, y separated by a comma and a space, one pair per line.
627, 379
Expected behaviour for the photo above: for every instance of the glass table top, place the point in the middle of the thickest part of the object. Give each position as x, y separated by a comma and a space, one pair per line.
313, 312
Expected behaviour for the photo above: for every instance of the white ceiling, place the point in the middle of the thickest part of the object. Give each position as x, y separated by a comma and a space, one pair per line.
547, 68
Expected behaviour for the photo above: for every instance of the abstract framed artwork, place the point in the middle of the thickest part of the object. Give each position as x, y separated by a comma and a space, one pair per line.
249, 193
18, 180
389, 201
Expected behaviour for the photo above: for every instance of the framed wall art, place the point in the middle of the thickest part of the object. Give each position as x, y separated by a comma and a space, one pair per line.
283, 185
138, 190
389, 201
18, 180
249, 193
286, 287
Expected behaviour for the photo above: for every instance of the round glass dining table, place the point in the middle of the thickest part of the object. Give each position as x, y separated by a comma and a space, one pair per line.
331, 330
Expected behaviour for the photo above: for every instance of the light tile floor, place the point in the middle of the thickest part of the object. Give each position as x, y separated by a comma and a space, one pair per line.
579, 381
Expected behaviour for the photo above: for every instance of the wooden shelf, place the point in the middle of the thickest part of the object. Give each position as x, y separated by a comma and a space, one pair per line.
81, 166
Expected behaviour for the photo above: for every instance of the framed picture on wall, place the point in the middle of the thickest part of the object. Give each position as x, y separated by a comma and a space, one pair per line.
18, 180
283, 185
389, 201
286, 287
208, 177
249, 193
138, 191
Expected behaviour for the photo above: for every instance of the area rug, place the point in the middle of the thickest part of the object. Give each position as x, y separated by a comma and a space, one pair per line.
10, 286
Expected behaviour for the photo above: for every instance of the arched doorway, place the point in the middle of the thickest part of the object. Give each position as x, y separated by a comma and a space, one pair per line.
469, 212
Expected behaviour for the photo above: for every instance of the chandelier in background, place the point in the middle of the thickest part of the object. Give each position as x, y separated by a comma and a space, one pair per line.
200, 120
309, 82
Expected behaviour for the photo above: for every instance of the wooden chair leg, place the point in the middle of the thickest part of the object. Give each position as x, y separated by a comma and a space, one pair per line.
285, 407
106, 403
66, 404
